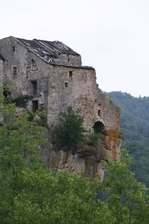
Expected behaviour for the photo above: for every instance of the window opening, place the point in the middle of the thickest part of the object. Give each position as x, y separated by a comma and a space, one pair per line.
99, 127
34, 87
70, 74
14, 70
66, 84
99, 112
13, 49
35, 105
33, 65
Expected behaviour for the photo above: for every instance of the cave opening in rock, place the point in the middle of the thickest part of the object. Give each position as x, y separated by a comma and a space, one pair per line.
98, 127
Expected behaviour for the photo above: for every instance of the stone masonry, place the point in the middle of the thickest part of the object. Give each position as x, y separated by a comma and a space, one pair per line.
52, 75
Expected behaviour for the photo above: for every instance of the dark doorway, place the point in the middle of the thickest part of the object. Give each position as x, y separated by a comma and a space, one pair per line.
35, 105
99, 127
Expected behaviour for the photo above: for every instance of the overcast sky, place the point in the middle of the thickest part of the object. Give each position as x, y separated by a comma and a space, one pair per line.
111, 35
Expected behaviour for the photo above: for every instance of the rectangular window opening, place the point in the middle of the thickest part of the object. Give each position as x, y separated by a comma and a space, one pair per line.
70, 74
13, 49
14, 70
99, 112
35, 105
34, 88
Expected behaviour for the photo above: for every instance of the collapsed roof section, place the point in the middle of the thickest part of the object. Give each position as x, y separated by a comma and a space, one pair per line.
49, 51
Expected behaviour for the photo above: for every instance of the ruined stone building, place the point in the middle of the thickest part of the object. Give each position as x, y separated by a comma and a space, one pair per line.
52, 75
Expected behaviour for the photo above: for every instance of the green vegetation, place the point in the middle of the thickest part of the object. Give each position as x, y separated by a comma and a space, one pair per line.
21, 101
39, 116
20, 142
93, 139
135, 130
69, 133
30, 193
125, 197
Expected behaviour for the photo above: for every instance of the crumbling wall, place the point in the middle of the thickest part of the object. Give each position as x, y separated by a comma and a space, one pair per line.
110, 113
54, 88
77, 87
70, 59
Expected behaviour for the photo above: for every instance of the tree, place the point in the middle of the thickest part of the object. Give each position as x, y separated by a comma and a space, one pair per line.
127, 199
20, 142
135, 130
69, 132
66, 198
30, 193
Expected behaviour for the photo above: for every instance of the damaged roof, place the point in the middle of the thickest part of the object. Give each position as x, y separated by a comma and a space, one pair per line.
49, 51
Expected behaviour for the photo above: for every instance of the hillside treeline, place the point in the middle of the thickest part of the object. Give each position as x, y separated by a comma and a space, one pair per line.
32, 193
135, 130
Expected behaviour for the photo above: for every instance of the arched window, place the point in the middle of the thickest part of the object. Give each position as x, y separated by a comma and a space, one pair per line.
33, 65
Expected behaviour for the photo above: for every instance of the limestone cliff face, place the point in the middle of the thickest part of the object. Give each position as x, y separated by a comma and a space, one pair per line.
88, 158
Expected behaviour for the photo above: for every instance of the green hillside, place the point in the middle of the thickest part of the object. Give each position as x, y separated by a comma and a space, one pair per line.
135, 130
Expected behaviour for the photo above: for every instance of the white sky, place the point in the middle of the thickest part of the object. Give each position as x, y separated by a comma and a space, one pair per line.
111, 35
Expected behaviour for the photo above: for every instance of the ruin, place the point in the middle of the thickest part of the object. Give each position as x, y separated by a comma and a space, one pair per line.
52, 75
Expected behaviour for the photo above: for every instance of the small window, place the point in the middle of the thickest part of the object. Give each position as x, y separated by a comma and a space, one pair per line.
35, 105
14, 70
33, 65
70, 74
13, 49
34, 87
66, 84
99, 113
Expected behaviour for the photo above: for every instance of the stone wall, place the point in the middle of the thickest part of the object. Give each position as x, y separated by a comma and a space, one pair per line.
54, 88
1, 73
72, 60
69, 86
29, 69
110, 113
77, 87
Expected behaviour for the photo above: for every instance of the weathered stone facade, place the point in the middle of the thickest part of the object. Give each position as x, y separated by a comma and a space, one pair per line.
51, 74
1, 71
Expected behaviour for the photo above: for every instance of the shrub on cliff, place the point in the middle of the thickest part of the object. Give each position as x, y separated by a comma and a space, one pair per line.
69, 133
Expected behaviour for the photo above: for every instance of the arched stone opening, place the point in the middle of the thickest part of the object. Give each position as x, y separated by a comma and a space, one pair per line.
34, 66
99, 127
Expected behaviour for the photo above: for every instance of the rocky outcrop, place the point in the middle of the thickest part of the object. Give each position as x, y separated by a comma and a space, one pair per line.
88, 158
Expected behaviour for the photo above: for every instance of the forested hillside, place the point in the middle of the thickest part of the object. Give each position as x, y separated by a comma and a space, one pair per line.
135, 130
30, 192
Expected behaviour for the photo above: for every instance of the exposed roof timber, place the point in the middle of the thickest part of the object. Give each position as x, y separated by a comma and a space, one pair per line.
48, 51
